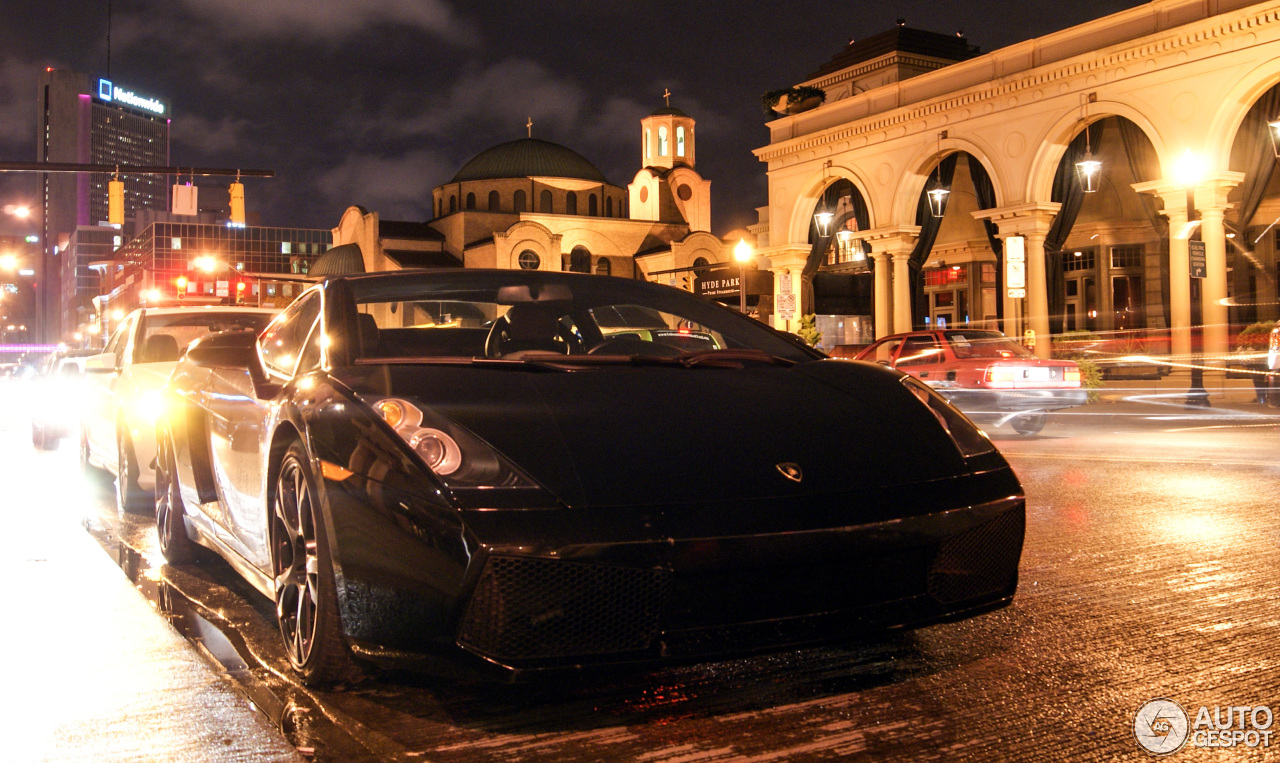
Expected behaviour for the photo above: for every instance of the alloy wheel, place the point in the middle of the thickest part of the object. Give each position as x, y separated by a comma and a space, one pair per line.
295, 561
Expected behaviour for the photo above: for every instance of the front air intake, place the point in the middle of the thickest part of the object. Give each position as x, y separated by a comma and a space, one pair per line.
980, 562
542, 608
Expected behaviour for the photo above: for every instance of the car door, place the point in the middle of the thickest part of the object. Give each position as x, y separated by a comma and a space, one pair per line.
238, 427
922, 357
102, 404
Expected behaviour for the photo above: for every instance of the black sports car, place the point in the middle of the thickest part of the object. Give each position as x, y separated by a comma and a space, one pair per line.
434, 469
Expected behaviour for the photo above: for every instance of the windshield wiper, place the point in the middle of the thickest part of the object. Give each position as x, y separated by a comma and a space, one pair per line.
731, 359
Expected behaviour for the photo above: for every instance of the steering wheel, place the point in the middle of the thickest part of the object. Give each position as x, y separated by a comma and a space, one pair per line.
634, 345
497, 336
495, 344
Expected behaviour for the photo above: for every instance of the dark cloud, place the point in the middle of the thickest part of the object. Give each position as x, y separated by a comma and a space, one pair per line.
374, 102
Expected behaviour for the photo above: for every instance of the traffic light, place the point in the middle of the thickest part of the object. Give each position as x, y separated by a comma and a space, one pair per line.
181, 283
115, 202
240, 293
237, 203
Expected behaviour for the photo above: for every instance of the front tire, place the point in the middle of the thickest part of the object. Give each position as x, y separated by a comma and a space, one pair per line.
129, 497
171, 529
306, 591
1029, 423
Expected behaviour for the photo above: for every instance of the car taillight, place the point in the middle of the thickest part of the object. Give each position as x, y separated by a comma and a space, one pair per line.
1071, 375
1001, 374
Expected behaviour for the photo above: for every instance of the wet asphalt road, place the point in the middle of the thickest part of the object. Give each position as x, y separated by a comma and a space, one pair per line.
1150, 570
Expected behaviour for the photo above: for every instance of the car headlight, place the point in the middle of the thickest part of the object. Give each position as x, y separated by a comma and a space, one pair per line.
459, 458
969, 439
148, 407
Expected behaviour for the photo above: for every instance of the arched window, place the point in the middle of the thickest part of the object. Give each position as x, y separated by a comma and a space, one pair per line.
493, 201
544, 202
580, 260
518, 201
593, 206
603, 268
680, 141
662, 140
453, 204
646, 143
471, 201
608, 206
439, 207
571, 203
529, 260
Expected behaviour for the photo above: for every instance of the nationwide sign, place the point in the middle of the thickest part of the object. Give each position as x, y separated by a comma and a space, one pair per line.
115, 94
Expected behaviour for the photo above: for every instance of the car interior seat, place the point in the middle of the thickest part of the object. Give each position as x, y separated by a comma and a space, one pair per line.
368, 333
160, 348
532, 327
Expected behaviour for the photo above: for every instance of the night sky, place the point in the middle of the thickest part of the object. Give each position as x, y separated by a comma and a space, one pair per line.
375, 102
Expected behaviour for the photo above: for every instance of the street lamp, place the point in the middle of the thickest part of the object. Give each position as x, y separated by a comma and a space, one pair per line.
742, 253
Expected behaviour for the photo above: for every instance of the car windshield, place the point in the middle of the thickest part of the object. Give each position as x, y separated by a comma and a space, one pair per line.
984, 344
516, 315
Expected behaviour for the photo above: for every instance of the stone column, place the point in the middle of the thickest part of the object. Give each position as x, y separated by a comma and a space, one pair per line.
1176, 210
901, 292
892, 244
883, 295
1038, 293
1211, 200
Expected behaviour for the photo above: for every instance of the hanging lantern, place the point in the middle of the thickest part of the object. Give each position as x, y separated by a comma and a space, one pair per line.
844, 237
1089, 170
823, 221
938, 199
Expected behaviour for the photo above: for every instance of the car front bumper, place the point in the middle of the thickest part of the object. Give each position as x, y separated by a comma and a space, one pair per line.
539, 595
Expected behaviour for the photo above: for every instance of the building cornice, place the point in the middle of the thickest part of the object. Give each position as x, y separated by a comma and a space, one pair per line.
998, 76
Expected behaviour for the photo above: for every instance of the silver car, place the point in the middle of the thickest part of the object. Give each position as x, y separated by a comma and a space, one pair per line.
124, 392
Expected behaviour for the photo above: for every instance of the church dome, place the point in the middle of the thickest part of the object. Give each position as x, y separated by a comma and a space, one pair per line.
528, 157
340, 260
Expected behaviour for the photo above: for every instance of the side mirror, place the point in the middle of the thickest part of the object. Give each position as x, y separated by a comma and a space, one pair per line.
234, 350
101, 364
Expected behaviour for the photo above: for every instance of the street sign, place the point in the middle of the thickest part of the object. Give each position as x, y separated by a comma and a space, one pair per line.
786, 306
784, 283
1195, 255
1017, 293
223, 289
1015, 265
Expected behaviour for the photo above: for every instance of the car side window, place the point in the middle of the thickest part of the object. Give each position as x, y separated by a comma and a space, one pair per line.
919, 351
281, 344
120, 340
883, 352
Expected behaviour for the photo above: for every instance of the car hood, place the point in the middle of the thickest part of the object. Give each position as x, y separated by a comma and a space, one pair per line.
661, 435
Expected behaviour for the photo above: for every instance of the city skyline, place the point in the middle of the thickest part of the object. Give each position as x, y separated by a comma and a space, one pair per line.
377, 102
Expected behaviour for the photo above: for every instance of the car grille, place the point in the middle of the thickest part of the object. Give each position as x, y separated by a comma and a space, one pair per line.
539, 608
979, 562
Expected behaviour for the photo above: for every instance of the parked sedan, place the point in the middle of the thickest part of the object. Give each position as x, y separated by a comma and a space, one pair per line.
519, 491
123, 398
984, 373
